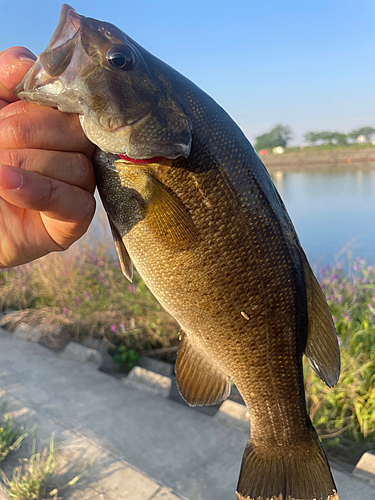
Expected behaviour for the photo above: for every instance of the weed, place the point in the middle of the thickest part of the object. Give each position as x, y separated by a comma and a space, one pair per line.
29, 481
10, 439
126, 358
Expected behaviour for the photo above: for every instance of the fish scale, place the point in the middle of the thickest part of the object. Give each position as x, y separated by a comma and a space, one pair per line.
192, 206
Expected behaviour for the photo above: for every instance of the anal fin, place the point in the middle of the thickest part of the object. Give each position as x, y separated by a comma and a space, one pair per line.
124, 258
198, 380
322, 349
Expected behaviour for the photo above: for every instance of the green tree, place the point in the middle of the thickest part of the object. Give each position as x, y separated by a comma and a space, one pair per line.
312, 137
326, 137
368, 132
339, 138
278, 136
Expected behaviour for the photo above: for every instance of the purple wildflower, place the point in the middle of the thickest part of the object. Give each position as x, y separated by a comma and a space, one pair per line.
131, 289
114, 328
122, 327
339, 340
65, 310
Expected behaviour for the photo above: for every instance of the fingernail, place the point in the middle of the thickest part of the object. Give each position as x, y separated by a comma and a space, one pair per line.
12, 60
10, 177
27, 56
21, 53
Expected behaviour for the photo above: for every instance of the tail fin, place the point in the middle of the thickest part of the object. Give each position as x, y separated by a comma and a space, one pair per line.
285, 477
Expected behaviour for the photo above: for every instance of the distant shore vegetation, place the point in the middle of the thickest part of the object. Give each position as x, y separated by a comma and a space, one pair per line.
280, 135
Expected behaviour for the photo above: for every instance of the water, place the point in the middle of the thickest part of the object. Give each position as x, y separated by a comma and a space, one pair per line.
333, 213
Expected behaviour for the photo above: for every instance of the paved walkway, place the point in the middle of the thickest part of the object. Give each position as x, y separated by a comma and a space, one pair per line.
147, 447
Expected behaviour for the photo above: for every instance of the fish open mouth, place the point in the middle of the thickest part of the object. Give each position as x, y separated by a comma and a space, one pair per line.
68, 26
53, 62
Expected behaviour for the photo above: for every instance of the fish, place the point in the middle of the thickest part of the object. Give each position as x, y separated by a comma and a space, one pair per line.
192, 206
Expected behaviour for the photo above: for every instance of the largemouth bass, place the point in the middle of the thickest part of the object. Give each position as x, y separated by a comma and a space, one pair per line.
192, 206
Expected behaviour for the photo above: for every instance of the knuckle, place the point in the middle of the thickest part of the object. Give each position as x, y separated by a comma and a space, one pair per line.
49, 195
82, 170
83, 144
15, 132
10, 157
88, 208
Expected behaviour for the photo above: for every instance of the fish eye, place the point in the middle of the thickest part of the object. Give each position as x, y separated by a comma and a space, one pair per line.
121, 58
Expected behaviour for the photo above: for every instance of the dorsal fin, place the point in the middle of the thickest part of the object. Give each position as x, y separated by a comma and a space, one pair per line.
198, 380
322, 349
124, 258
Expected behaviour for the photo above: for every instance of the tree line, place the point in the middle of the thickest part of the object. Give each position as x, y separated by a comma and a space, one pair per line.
280, 135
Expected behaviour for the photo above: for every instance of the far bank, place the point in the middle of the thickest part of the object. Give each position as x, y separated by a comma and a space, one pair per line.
301, 161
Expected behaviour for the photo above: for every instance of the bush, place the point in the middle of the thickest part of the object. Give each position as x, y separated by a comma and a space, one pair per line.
346, 412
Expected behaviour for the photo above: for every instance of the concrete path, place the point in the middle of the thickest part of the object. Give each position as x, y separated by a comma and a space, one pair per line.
147, 447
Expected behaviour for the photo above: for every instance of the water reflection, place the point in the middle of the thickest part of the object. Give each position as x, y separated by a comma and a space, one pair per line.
331, 212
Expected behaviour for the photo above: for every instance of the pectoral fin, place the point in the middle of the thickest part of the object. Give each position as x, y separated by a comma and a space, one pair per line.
124, 258
322, 349
198, 380
168, 219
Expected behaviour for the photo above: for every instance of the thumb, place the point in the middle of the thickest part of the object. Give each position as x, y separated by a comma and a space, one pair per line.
14, 64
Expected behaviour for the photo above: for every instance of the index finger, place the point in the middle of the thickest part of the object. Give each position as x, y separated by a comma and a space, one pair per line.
14, 64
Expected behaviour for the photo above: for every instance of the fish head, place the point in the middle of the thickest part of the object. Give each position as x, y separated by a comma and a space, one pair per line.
94, 69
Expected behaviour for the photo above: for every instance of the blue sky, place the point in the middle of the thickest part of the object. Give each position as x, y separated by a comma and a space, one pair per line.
306, 64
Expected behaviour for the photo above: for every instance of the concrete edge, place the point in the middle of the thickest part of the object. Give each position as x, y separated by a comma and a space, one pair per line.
230, 412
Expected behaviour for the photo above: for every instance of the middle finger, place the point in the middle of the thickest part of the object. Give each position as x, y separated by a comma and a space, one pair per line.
43, 128
69, 167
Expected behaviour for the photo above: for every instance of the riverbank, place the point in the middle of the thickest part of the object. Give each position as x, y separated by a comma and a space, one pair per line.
301, 161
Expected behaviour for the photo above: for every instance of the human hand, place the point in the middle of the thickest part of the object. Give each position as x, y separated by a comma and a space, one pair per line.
46, 175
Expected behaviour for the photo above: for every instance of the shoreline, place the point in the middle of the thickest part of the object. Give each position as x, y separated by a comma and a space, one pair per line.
321, 161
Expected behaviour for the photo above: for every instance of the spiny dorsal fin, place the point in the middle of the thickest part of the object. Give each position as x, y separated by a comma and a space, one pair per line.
198, 380
168, 219
322, 349
124, 258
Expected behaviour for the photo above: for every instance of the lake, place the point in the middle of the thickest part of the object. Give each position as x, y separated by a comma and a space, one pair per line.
333, 213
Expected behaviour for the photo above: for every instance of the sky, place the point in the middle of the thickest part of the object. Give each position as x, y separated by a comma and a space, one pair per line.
306, 64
